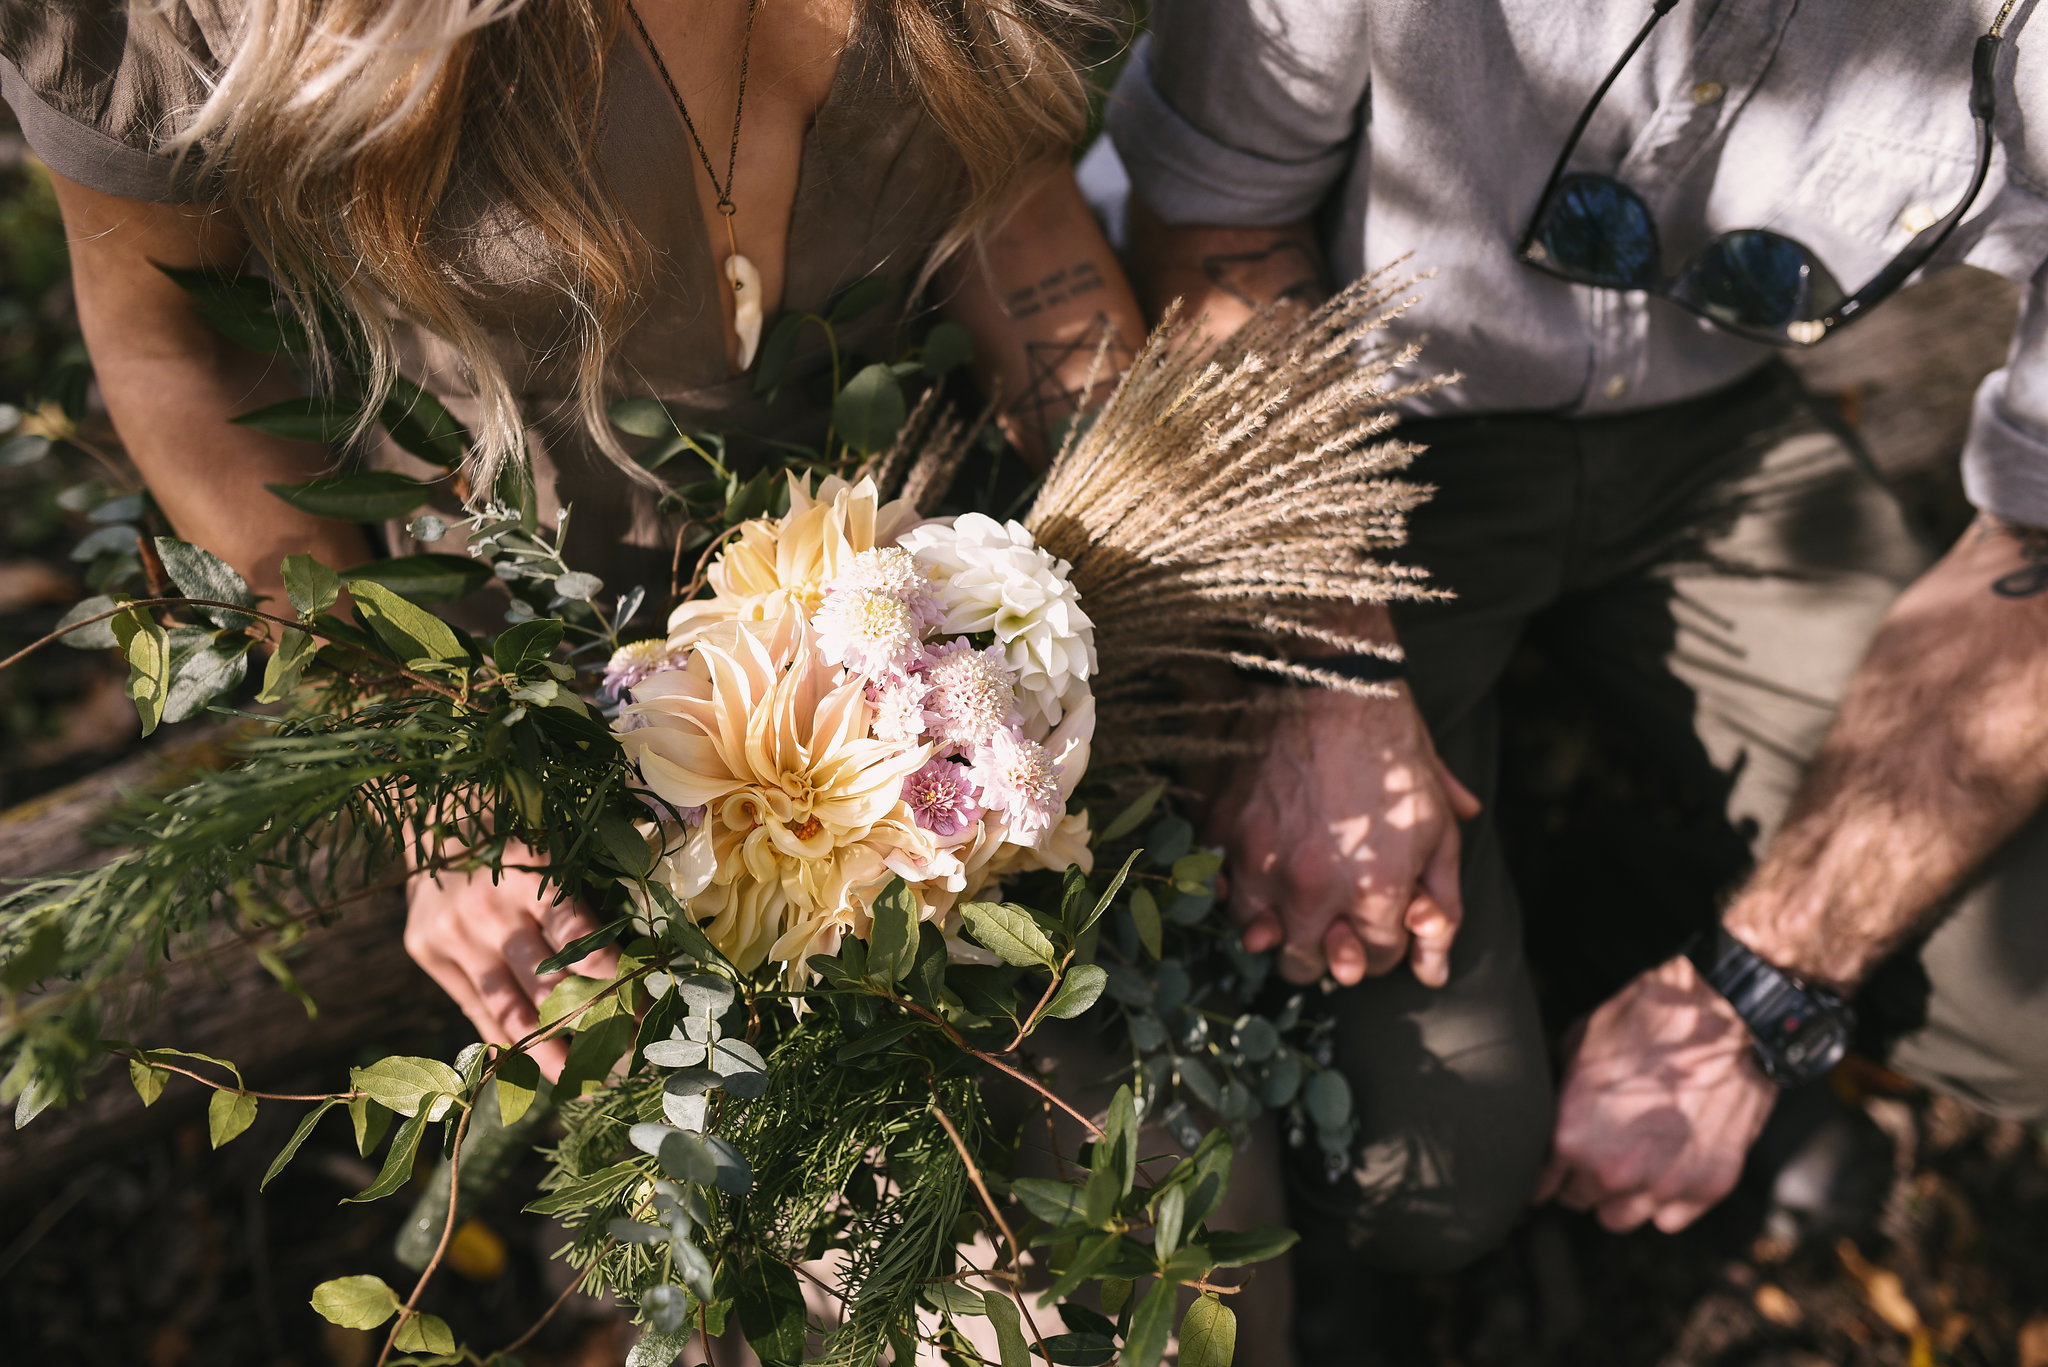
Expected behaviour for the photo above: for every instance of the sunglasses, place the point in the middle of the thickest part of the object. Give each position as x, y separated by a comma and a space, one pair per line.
1592, 229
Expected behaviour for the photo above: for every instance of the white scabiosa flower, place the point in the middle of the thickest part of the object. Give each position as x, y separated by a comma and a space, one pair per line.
973, 694
900, 712
894, 571
992, 577
871, 631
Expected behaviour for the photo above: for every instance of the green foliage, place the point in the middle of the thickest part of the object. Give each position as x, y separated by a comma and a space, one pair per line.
361, 1302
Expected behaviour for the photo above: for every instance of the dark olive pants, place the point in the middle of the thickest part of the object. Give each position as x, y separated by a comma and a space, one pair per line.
1710, 574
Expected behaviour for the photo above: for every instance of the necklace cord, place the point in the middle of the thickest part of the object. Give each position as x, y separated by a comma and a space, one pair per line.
725, 204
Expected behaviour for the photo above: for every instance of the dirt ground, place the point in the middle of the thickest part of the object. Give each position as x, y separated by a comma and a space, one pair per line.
160, 1252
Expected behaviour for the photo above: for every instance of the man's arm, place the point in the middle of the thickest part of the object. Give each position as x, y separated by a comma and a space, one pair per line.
1223, 275
1939, 753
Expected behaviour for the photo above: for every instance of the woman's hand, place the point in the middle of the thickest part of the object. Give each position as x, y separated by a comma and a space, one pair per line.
481, 941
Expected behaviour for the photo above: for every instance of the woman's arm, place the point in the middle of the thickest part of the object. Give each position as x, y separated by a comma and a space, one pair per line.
1040, 296
171, 383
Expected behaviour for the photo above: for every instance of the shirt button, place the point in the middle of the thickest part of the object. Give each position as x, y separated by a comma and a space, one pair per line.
1616, 386
1919, 216
1707, 92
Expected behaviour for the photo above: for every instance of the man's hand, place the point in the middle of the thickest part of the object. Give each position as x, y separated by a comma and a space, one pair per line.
482, 942
1343, 842
1661, 1102
1224, 276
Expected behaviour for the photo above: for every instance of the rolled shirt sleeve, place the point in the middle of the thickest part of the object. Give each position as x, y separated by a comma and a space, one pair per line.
1243, 112
2005, 460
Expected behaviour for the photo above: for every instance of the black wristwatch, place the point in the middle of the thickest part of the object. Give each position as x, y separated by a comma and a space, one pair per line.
1800, 1030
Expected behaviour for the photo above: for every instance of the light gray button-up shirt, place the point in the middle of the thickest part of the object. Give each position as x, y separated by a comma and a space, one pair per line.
1428, 127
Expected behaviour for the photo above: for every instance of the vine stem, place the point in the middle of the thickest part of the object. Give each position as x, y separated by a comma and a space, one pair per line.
1016, 1249
516, 1344
1031, 1021
295, 625
405, 1312
992, 1061
201, 1078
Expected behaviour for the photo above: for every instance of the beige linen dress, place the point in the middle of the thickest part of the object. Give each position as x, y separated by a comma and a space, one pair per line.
96, 92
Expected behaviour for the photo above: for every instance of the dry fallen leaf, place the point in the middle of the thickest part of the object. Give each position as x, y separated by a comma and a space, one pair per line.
1883, 1292
1775, 1304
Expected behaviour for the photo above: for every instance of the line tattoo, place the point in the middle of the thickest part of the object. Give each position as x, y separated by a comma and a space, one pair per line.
1062, 286
1058, 384
2031, 578
1249, 277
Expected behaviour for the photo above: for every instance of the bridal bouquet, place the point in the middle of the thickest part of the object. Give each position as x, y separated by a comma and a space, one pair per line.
893, 790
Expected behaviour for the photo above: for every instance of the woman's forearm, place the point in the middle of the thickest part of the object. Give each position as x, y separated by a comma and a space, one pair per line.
171, 383
1939, 752
1054, 321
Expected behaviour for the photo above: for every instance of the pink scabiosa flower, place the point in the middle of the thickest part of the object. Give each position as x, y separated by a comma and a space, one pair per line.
973, 694
941, 797
899, 706
630, 664
1020, 778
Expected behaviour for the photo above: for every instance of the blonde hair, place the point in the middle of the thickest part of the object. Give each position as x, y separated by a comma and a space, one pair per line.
337, 128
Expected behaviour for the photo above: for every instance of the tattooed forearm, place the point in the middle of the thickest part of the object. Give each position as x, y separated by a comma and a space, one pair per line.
2032, 542
1284, 271
1065, 378
1060, 287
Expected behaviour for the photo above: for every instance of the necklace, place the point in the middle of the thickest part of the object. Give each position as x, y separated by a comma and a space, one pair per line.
740, 273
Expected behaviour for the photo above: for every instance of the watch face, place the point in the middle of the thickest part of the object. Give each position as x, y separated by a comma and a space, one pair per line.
1806, 1039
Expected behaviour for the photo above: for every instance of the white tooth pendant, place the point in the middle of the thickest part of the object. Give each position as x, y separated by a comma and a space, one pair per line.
746, 305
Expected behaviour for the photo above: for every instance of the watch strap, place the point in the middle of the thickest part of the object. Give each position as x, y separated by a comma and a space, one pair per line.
1800, 1031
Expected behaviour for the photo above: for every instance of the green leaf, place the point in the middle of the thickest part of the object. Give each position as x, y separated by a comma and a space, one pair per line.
642, 418
517, 1081
304, 417
1073, 898
418, 422
291, 1148
1208, 1333
892, 943
147, 647
520, 647
599, 1187
1120, 1132
242, 308
202, 668
355, 1302
430, 578
870, 410
1145, 915
1108, 894
583, 945
771, 1310
947, 347
371, 1122
1009, 1327
1197, 868
409, 631
1116, 1294
568, 996
626, 846
405, 1146
1056, 1203
1327, 1099
228, 1114
1010, 932
1093, 1254
875, 1040
149, 1082
45, 948
1133, 816
1149, 1327
656, 1349
955, 1299
295, 650
857, 298
927, 981
1189, 1263
201, 574
402, 1081
1229, 1249
597, 1046
98, 636
1166, 1219
1081, 989
367, 496
777, 352
424, 1333
310, 585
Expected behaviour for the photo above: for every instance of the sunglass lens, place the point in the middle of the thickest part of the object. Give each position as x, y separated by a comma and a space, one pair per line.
1761, 280
1596, 230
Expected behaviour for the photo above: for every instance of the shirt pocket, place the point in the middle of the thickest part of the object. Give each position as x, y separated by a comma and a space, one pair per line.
1874, 190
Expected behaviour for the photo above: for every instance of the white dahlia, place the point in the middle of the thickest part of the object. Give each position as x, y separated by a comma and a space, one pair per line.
993, 577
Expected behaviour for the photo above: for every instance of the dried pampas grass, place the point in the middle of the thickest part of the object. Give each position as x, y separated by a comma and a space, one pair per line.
1228, 502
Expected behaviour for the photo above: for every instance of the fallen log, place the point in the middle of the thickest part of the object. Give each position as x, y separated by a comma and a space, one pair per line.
222, 1003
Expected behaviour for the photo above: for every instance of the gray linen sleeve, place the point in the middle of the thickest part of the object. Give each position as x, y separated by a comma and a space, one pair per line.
78, 151
1242, 112
2005, 460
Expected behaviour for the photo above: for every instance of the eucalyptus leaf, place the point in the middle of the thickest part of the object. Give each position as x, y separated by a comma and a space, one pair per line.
666, 1306
947, 347
1327, 1098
